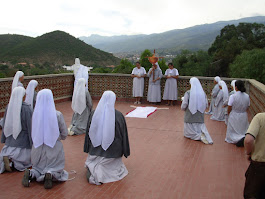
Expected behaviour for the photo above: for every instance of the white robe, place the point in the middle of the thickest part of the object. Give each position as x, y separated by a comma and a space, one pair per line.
138, 83
171, 90
238, 118
105, 170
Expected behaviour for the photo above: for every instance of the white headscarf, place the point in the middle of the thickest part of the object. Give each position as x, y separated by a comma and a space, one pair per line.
217, 79
197, 101
45, 128
13, 119
157, 65
16, 79
102, 129
233, 84
224, 89
30, 92
79, 96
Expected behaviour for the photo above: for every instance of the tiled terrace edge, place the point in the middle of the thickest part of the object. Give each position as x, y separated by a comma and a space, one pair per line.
121, 84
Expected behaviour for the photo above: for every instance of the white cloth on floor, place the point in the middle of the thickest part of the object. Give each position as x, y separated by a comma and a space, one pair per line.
194, 131
105, 170
141, 112
20, 157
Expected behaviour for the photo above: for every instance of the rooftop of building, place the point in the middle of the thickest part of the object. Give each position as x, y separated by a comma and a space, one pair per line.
162, 164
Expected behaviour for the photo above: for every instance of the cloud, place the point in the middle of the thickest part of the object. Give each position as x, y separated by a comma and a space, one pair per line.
117, 17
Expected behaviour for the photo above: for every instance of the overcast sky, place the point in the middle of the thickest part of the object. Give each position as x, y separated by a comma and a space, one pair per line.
117, 17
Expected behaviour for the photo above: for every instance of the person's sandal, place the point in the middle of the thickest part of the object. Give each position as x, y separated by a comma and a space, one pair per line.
48, 181
7, 164
26, 178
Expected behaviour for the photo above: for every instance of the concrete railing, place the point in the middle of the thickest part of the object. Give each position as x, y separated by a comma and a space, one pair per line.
62, 87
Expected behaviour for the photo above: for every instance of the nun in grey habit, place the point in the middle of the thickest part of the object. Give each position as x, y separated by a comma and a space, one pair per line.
219, 104
82, 106
194, 104
47, 155
154, 88
16, 133
106, 142
214, 94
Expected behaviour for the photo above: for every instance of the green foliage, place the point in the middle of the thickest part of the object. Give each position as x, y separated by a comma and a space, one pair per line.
101, 70
192, 64
163, 66
55, 48
125, 67
144, 59
233, 40
250, 64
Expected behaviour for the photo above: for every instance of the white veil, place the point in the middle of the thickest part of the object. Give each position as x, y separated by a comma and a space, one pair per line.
197, 101
79, 96
13, 116
16, 79
30, 92
45, 128
102, 129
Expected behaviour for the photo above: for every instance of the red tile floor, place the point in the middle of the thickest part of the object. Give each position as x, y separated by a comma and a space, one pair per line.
162, 164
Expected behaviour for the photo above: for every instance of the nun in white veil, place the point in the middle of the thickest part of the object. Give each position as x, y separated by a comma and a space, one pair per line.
18, 78
214, 94
219, 104
47, 155
82, 106
154, 88
80, 71
16, 133
194, 104
106, 142
31, 94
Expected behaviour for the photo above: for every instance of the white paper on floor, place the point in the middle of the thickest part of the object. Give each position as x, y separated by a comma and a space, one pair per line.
142, 112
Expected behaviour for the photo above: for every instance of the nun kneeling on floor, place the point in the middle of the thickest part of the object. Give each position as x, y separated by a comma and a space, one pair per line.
106, 142
194, 104
47, 155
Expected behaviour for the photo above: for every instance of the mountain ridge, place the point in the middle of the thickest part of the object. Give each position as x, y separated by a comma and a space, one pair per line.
202, 35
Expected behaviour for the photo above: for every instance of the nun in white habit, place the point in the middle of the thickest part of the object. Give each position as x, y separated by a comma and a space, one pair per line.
138, 74
106, 142
16, 133
18, 78
238, 104
82, 106
47, 155
219, 108
171, 90
154, 88
31, 94
214, 94
80, 71
194, 104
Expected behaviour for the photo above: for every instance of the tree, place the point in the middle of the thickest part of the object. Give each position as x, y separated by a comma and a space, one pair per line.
144, 59
250, 64
233, 40
124, 67
163, 66
193, 63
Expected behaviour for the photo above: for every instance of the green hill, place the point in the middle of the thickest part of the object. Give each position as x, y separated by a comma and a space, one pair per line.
56, 48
